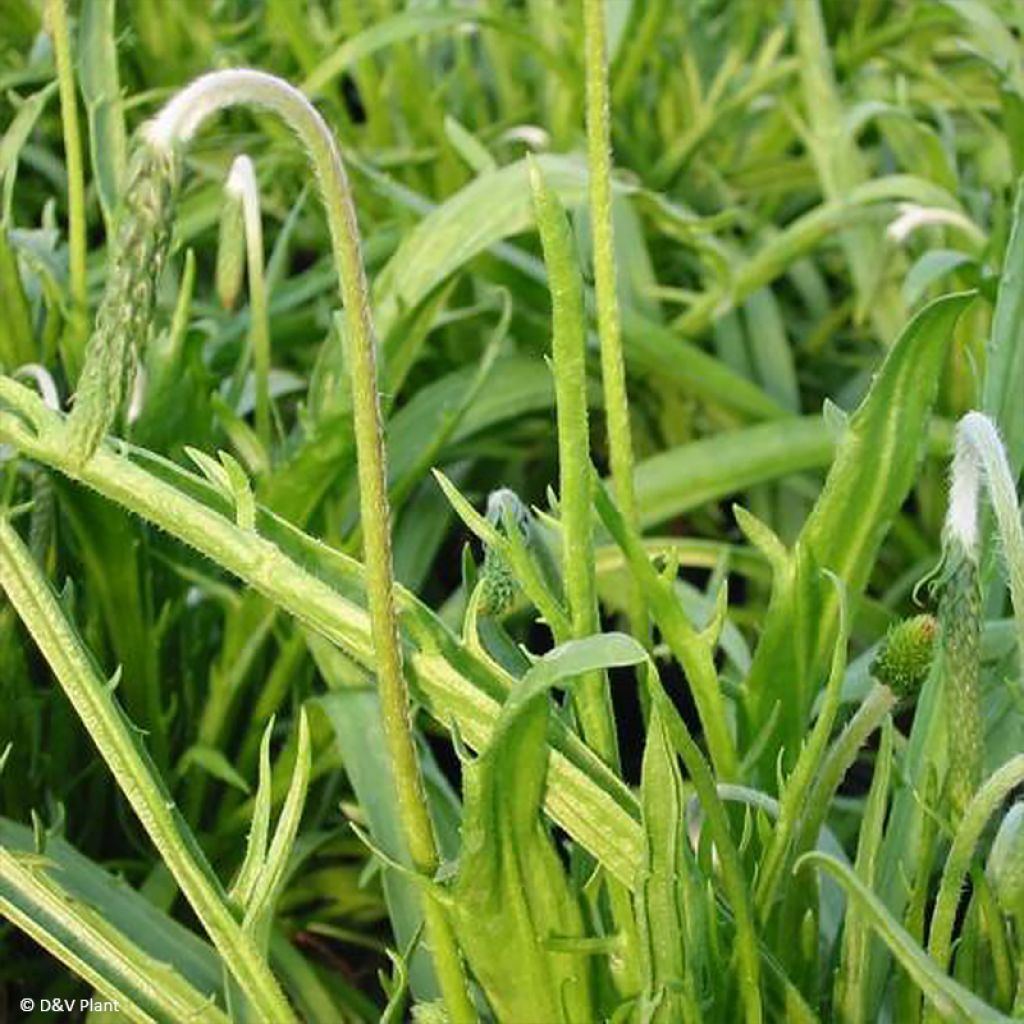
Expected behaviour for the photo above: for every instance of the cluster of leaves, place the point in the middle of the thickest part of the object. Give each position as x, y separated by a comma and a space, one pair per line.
795, 183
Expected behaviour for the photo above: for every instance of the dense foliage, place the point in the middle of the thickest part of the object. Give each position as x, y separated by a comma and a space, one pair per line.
670, 666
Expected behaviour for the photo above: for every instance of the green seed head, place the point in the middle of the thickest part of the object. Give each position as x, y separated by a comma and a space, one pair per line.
1006, 863
906, 655
138, 253
960, 638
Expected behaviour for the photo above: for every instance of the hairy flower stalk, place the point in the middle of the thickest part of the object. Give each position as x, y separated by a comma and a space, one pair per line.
979, 459
609, 327
138, 255
176, 124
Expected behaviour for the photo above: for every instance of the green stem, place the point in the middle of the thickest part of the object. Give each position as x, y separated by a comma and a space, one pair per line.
57, 23
794, 799
92, 699
870, 715
976, 816
582, 796
691, 649
568, 345
177, 123
733, 881
609, 327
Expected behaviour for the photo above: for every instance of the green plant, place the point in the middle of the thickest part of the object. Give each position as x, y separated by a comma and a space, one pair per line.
634, 821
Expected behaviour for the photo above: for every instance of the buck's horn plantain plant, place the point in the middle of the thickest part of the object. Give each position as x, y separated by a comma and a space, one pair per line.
387, 752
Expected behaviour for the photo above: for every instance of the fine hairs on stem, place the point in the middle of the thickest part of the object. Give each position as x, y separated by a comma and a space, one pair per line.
174, 126
609, 327
980, 459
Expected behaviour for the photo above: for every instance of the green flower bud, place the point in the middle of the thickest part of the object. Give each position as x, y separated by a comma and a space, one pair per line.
230, 249
498, 583
905, 656
1005, 868
497, 579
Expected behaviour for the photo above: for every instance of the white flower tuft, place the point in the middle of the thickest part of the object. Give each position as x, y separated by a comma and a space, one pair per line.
914, 216
964, 492
241, 178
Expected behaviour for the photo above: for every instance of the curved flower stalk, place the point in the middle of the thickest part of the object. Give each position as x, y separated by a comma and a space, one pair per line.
1005, 871
976, 816
173, 128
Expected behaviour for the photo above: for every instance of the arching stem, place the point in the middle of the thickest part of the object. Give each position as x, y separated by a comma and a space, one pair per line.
176, 124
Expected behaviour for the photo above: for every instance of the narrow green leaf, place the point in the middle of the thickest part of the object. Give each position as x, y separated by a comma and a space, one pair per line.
671, 963
214, 763
17, 343
259, 830
101, 89
469, 147
354, 715
268, 885
951, 999
161, 939
873, 470
83, 939
12, 143
680, 479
